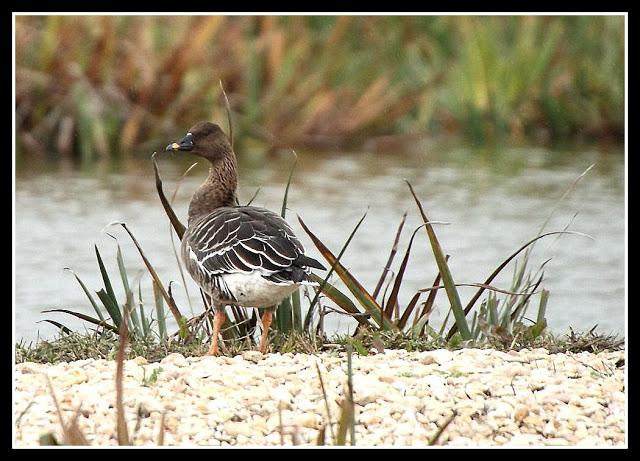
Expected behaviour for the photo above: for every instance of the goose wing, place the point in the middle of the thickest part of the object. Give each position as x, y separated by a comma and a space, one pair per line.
243, 240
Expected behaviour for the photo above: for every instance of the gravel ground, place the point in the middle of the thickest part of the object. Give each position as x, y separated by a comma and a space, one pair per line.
520, 398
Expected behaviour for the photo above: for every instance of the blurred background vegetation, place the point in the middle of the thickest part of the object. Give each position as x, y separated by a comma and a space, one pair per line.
97, 86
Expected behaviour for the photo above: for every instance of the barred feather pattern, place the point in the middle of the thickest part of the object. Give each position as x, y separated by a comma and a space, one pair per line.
248, 247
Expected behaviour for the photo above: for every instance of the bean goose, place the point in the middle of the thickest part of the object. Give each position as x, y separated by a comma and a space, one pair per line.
239, 255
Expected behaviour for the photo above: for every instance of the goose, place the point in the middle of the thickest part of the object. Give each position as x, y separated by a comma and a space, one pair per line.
239, 255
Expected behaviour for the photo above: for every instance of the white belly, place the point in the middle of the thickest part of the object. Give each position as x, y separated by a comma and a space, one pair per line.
252, 290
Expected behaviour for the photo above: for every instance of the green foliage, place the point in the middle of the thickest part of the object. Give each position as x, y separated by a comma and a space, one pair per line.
82, 88
498, 317
150, 380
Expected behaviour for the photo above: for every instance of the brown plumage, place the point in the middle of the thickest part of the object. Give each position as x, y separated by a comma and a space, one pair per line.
239, 255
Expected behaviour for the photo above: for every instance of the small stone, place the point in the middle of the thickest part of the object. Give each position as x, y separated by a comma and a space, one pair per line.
520, 413
139, 360
237, 428
72, 377
534, 421
556, 442
523, 398
427, 360
175, 359
252, 356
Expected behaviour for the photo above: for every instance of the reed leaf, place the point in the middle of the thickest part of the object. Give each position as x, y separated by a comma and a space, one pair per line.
445, 273
86, 318
175, 222
520, 308
296, 310
307, 321
172, 306
146, 325
394, 249
342, 301
162, 326
128, 293
60, 326
112, 304
393, 297
355, 287
499, 269
428, 305
402, 322
86, 292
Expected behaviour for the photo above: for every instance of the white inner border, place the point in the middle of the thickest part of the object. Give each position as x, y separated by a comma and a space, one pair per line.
570, 13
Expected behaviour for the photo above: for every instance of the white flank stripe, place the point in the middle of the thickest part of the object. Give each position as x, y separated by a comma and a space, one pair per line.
276, 251
266, 255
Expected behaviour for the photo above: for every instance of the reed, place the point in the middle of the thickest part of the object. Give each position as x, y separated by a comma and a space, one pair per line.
499, 316
92, 87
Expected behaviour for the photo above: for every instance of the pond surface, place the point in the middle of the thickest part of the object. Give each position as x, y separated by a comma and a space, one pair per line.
493, 201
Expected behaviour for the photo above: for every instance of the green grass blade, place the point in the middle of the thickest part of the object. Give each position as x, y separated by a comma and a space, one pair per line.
419, 326
162, 325
253, 197
492, 308
499, 269
566, 193
445, 273
521, 307
146, 325
444, 322
172, 306
428, 305
112, 308
355, 287
394, 250
283, 314
393, 297
343, 301
307, 320
347, 413
105, 277
86, 292
297, 311
475, 326
86, 318
60, 326
352, 419
137, 327
542, 308
173, 244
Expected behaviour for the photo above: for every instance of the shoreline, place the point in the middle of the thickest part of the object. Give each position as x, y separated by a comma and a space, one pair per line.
523, 398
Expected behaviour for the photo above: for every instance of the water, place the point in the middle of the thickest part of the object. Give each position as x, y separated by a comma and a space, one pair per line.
493, 202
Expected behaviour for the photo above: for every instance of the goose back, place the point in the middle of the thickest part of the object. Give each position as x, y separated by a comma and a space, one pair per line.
248, 245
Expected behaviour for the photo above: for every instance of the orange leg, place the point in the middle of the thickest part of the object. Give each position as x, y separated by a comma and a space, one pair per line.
266, 323
218, 321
